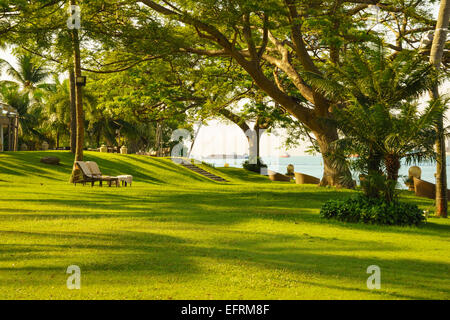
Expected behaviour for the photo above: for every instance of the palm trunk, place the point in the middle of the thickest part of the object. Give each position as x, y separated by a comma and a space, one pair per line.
78, 100
368, 183
73, 112
437, 50
392, 165
441, 172
79, 104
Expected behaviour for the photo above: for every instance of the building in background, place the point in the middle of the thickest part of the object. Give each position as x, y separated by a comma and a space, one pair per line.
9, 128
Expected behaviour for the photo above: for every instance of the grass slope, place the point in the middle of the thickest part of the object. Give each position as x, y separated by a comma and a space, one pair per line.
177, 235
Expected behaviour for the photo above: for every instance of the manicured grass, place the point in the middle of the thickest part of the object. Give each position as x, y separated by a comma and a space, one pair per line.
177, 235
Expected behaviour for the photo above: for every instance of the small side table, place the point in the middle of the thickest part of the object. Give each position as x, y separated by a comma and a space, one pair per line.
125, 179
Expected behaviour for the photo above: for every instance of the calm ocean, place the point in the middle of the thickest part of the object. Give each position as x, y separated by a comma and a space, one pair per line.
313, 165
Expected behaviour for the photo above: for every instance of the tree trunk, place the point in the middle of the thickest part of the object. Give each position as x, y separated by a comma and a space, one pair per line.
374, 163
73, 112
437, 50
78, 101
333, 173
258, 142
392, 165
79, 104
252, 138
369, 183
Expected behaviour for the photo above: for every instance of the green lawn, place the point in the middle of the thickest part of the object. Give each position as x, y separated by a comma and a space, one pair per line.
177, 235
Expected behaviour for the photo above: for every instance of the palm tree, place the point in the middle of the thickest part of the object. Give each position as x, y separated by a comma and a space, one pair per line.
383, 137
29, 74
57, 105
30, 112
376, 113
370, 76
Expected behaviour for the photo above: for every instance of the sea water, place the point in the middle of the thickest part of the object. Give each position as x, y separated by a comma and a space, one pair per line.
313, 165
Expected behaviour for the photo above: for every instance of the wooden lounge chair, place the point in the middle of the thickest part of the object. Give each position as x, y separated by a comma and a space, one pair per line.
84, 174
301, 178
97, 174
275, 176
91, 173
426, 189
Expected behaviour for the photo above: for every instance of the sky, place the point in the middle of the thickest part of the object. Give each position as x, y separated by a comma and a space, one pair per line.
224, 137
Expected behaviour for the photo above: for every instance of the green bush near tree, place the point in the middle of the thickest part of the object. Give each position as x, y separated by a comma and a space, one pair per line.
373, 211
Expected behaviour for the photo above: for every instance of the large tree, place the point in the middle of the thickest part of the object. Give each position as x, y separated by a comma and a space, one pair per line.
276, 42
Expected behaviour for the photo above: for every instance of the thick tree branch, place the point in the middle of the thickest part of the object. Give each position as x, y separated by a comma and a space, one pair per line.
302, 113
297, 38
238, 120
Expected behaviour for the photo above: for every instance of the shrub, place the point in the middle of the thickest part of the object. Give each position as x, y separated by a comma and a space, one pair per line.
255, 167
379, 186
372, 211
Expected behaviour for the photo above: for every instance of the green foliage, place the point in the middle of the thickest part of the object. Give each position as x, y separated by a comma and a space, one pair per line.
380, 121
29, 74
134, 101
372, 211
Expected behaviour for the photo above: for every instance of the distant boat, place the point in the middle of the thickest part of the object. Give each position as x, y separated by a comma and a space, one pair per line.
285, 155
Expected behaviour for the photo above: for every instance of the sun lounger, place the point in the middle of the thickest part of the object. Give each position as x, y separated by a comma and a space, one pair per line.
301, 178
426, 189
91, 173
275, 176
97, 174
85, 175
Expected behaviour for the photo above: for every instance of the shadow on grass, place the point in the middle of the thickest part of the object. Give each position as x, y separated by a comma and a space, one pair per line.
224, 207
143, 169
153, 254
